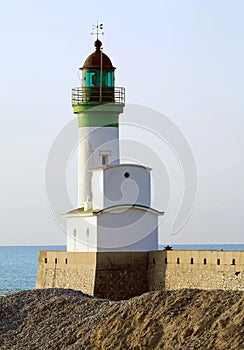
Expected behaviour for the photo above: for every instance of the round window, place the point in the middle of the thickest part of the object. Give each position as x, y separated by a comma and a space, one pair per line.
126, 174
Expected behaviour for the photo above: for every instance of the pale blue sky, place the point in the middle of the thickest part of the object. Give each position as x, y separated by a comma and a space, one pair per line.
183, 58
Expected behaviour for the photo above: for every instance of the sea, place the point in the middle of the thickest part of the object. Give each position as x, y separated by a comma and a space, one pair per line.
18, 265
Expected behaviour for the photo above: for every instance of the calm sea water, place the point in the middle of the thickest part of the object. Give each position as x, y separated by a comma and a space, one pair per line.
18, 265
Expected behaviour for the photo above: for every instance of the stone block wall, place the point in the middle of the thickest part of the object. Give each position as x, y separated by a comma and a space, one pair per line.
123, 275
66, 270
202, 269
105, 275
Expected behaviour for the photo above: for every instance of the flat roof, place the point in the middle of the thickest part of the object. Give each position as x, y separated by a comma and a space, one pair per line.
119, 165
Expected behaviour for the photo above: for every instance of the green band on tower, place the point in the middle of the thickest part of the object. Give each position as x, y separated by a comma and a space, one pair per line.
97, 121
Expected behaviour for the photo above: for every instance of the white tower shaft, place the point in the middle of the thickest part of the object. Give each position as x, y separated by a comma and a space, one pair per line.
98, 146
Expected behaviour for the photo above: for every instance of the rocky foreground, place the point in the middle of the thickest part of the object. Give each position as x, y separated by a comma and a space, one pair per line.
66, 319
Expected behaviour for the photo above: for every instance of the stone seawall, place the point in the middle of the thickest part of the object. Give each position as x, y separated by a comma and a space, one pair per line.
66, 270
127, 274
105, 275
202, 269
120, 274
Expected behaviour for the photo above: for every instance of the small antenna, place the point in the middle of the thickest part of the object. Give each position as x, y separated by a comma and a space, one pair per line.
96, 29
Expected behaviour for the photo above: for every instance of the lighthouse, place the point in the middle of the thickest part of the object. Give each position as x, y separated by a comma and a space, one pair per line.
112, 234
114, 228
98, 104
114, 210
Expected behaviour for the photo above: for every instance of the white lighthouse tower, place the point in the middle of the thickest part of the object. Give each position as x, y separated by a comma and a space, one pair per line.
98, 105
114, 200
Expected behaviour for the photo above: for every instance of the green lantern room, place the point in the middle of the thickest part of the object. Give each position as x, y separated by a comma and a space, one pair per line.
97, 85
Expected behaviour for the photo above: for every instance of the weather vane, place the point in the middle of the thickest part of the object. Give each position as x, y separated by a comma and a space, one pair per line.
96, 29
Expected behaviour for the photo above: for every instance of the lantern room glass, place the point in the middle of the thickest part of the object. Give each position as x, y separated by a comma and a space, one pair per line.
92, 78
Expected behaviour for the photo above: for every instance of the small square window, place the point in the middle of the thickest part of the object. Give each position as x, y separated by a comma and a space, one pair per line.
104, 159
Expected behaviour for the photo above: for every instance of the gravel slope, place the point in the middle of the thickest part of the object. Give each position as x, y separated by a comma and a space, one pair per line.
66, 319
